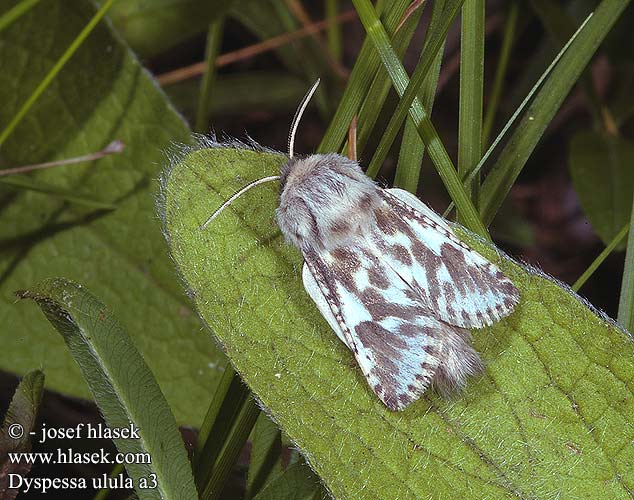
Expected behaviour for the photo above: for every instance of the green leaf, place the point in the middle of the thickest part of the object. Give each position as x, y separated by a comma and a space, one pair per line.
269, 18
19, 422
242, 93
265, 463
152, 27
296, 483
123, 386
602, 175
552, 414
102, 94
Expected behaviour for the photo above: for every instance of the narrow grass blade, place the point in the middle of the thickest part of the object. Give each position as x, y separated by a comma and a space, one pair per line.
510, 25
123, 386
23, 182
46, 81
214, 40
561, 26
239, 434
381, 85
362, 75
429, 135
520, 109
19, 422
266, 453
333, 33
412, 146
625, 316
471, 92
103, 493
600, 258
223, 410
15, 12
436, 40
527, 134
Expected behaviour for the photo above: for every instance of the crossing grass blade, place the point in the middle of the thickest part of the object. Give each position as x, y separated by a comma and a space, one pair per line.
437, 151
526, 135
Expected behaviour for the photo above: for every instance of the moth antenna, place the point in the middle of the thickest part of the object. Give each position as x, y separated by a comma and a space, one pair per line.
237, 195
298, 116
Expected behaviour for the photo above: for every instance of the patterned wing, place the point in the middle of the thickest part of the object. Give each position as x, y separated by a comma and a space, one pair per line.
395, 339
460, 286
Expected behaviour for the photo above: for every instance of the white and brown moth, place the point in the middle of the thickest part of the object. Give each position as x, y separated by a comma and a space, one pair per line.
388, 274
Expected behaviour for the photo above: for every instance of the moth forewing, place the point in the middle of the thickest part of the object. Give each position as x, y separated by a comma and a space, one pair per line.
315, 292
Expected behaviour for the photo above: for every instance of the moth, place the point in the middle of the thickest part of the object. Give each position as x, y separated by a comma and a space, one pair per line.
388, 274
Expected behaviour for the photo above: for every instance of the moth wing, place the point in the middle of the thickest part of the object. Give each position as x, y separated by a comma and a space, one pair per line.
314, 291
460, 286
396, 341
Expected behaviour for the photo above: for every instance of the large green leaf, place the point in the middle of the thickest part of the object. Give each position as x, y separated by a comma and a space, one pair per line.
102, 94
152, 27
552, 416
603, 177
123, 386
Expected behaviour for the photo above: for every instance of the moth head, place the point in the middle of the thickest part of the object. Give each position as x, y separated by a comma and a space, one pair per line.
325, 201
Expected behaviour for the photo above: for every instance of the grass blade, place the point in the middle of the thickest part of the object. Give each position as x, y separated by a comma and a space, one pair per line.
214, 40
412, 146
46, 81
123, 386
377, 94
520, 108
296, 483
266, 453
239, 434
363, 73
471, 91
436, 40
333, 33
510, 26
625, 315
600, 258
526, 136
401, 82
15, 12
229, 397
27, 183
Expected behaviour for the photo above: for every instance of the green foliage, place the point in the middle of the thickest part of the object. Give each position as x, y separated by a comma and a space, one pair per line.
603, 178
22, 412
526, 135
152, 27
123, 387
100, 95
297, 483
265, 463
552, 415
